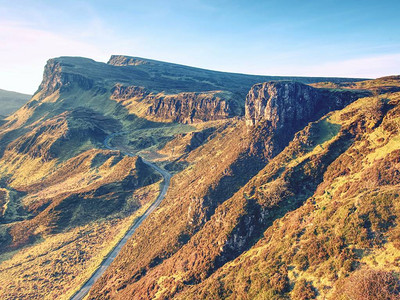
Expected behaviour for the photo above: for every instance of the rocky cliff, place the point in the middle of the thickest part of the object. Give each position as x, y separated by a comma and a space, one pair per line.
122, 60
191, 107
187, 107
55, 77
166, 91
291, 105
279, 109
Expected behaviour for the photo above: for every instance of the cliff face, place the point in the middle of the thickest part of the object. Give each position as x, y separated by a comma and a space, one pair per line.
191, 107
56, 77
291, 105
280, 103
279, 109
121, 92
169, 92
188, 107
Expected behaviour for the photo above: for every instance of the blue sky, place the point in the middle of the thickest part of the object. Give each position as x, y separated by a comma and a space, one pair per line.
350, 38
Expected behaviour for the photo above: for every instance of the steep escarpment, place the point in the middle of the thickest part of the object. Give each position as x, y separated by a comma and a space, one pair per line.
192, 107
122, 60
188, 107
56, 76
127, 87
66, 199
290, 105
212, 95
285, 107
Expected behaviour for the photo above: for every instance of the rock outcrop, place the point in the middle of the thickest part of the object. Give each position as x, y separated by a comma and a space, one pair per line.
121, 92
278, 109
190, 107
289, 106
56, 77
169, 92
186, 107
122, 60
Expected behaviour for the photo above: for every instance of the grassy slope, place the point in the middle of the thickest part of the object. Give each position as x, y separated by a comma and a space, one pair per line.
211, 177
196, 79
349, 223
379, 85
58, 190
11, 101
69, 219
55, 266
292, 221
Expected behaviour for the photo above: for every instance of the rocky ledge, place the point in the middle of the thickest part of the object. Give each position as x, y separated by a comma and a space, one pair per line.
59, 76
186, 107
291, 105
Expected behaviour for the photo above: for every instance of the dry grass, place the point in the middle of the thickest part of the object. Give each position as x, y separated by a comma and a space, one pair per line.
350, 221
57, 265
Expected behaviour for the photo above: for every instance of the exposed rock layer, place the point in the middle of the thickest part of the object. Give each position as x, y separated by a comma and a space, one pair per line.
291, 105
54, 78
278, 109
188, 107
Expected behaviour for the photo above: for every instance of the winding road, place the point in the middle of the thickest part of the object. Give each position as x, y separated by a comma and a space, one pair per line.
113, 254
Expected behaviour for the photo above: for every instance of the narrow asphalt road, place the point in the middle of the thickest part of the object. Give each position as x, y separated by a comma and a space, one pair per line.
113, 254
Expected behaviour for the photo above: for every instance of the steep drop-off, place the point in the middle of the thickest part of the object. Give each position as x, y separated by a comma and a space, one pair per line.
281, 108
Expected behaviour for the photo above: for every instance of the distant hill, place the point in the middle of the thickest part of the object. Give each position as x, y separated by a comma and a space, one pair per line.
11, 101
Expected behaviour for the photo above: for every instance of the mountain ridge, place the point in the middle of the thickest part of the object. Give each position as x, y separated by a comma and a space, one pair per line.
276, 186
126, 60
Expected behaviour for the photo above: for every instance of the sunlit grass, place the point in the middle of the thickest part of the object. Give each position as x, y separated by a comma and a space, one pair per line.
57, 266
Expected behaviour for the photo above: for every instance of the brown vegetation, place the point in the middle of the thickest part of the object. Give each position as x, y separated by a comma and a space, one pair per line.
251, 213
347, 214
369, 284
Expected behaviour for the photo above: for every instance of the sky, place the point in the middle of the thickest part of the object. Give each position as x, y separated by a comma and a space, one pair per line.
343, 38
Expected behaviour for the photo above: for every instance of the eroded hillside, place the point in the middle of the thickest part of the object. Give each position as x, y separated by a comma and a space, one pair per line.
281, 193
290, 228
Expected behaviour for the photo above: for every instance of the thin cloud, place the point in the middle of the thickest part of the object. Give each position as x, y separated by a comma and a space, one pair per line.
366, 67
369, 67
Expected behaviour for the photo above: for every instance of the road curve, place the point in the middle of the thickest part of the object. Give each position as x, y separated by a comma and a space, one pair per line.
113, 254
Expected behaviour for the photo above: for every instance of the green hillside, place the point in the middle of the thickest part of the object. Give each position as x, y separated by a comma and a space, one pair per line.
11, 101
